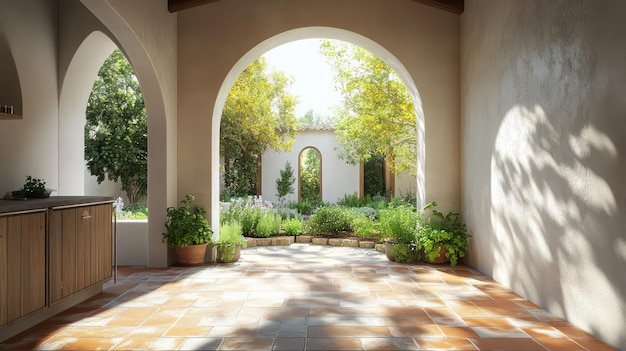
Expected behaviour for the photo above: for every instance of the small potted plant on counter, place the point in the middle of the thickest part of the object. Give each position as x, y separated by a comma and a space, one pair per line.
188, 232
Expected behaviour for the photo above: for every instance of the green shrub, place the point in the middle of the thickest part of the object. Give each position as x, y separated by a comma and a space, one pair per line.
293, 226
306, 207
249, 220
330, 220
400, 223
365, 227
350, 201
405, 253
268, 225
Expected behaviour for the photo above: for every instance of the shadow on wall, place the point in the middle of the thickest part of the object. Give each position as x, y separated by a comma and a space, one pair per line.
558, 235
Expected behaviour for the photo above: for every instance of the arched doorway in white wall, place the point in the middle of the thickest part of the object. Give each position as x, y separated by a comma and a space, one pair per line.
310, 175
305, 33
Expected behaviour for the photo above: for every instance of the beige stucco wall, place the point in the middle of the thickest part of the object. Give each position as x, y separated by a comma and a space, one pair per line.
543, 126
29, 146
212, 39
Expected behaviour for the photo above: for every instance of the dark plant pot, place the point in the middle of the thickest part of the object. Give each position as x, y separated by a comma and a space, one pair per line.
223, 256
192, 255
439, 259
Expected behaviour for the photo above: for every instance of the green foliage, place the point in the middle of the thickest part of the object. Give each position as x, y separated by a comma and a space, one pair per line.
268, 225
405, 253
137, 211
377, 116
400, 223
293, 226
374, 176
330, 220
186, 225
230, 237
259, 114
366, 227
306, 207
34, 185
310, 175
284, 184
439, 230
249, 220
116, 130
351, 200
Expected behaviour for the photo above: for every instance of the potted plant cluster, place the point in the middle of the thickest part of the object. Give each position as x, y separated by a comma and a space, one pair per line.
188, 232
442, 238
230, 242
399, 227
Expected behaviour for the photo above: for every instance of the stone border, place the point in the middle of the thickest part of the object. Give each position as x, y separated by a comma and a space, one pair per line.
308, 239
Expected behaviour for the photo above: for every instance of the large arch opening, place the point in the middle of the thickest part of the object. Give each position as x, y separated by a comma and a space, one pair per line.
307, 33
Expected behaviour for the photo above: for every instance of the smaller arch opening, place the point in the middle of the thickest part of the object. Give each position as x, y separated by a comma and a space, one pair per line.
310, 175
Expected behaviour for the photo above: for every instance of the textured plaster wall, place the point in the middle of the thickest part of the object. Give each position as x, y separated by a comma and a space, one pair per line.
212, 39
543, 147
28, 146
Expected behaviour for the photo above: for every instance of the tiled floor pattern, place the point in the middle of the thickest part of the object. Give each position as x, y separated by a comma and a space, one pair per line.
305, 297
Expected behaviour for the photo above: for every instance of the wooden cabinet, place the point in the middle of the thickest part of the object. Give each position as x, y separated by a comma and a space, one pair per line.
80, 248
22, 264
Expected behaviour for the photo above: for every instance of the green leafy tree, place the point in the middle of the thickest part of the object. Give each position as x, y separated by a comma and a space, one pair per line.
310, 176
377, 115
310, 119
284, 184
116, 132
259, 114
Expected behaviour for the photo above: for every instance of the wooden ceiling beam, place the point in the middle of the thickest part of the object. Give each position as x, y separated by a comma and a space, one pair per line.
454, 6
179, 5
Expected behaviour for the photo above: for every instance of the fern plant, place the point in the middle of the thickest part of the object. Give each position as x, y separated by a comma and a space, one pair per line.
440, 231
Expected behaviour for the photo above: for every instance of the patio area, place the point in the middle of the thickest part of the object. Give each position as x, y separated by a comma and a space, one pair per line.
305, 297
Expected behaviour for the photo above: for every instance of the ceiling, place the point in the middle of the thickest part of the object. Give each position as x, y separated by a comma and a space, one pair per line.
454, 6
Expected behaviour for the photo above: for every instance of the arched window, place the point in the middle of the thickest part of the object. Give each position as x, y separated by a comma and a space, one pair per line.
310, 175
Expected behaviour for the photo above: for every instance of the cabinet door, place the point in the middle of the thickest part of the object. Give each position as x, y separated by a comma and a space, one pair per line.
3, 271
103, 222
33, 275
23, 271
63, 261
80, 248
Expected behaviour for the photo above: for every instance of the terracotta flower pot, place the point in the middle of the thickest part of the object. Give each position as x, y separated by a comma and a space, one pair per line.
441, 258
192, 255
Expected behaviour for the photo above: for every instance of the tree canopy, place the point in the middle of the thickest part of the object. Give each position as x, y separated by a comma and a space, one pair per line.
116, 131
259, 114
377, 114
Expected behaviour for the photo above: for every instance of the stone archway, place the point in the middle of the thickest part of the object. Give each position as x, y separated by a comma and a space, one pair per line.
307, 33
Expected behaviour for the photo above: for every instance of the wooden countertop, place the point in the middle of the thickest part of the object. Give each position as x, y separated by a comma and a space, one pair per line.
10, 206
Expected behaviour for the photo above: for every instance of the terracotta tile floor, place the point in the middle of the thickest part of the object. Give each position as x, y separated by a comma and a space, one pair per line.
305, 297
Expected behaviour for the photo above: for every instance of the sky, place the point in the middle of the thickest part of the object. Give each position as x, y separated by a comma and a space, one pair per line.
313, 77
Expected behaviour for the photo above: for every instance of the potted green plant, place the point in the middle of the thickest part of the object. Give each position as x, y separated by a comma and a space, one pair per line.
442, 238
188, 232
399, 226
231, 241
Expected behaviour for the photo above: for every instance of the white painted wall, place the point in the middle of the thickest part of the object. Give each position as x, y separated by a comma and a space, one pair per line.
338, 177
543, 145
